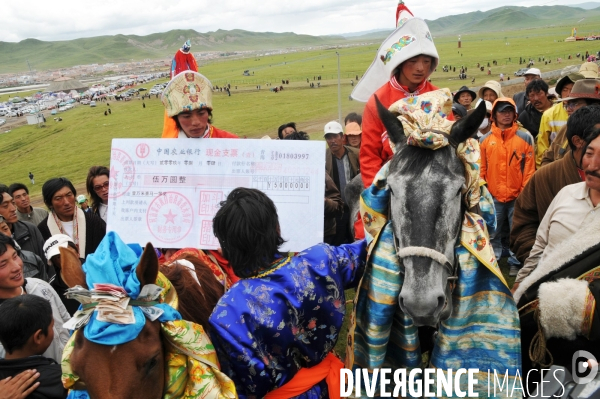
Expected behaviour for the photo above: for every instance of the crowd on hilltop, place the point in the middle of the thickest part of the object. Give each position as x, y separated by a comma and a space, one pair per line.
282, 313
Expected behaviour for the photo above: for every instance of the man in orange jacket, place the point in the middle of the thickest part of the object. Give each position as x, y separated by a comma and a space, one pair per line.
507, 163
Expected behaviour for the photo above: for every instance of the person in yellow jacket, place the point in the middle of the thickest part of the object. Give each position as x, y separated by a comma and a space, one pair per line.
555, 118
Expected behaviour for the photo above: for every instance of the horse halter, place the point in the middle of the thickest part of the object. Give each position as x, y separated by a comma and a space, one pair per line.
425, 252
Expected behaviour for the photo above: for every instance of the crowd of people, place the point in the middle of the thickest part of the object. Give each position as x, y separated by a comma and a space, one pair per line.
281, 313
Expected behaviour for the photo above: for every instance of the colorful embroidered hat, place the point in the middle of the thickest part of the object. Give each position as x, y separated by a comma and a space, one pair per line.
411, 38
187, 91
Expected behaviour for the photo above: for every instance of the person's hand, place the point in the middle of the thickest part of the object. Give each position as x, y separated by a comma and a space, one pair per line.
514, 288
20, 386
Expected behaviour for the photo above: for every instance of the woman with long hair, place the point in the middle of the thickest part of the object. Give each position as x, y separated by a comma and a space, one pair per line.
97, 183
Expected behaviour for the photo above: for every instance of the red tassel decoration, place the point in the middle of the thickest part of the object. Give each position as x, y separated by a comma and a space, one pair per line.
401, 7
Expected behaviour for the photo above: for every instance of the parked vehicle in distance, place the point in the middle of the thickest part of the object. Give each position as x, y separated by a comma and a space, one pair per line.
521, 71
2, 122
92, 103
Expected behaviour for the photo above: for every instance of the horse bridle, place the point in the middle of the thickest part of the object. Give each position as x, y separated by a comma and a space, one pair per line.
425, 252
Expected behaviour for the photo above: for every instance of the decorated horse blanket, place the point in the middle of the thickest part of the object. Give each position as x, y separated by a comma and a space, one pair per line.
483, 331
191, 364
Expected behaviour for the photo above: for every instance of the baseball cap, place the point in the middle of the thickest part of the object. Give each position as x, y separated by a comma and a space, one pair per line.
533, 71
504, 105
53, 243
353, 129
333, 127
81, 199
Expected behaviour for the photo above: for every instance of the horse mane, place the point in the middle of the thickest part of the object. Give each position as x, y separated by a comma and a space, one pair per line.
196, 302
411, 159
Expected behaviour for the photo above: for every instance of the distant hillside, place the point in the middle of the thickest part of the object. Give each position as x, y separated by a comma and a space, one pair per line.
586, 6
509, 18
120, 48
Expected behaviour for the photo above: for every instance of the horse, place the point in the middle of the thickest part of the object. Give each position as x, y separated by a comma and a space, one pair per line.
427, 211
430, 266
136, 369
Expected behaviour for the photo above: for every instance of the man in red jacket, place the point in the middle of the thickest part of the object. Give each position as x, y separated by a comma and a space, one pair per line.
403, 64
188, 101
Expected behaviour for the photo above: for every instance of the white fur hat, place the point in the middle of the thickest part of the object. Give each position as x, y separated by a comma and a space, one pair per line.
411, 38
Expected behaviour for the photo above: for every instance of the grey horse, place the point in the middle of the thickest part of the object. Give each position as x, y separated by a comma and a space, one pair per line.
426, 213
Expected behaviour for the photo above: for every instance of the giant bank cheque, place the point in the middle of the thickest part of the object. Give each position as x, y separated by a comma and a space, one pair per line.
167, 191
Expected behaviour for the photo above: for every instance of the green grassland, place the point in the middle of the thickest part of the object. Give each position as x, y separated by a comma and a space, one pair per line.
83, 137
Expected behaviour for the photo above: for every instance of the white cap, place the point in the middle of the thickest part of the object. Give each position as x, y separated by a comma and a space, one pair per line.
533, 71
333, 127
53, 243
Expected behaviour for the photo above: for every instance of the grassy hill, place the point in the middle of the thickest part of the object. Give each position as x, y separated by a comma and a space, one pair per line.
119, 48
512, 17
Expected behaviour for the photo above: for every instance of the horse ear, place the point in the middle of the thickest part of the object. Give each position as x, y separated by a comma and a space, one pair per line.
70, 268
392, 124
468, 126
147, 269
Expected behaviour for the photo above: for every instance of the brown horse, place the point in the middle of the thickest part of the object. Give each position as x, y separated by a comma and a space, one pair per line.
136, 369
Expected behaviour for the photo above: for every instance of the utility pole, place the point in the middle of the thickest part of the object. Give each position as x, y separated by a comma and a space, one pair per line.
29, 65
339, 90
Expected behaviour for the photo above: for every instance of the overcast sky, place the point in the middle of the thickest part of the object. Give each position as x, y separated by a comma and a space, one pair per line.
71, 19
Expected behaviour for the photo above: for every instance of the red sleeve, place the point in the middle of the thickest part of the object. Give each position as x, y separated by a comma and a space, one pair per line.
371, 146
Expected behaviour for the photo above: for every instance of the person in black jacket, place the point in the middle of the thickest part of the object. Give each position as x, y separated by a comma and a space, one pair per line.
25, 234
26, 332
85, 228
531, 116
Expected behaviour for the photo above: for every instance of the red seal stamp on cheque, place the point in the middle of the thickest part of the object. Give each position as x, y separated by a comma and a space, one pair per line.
122, 173
170, 217
142, 150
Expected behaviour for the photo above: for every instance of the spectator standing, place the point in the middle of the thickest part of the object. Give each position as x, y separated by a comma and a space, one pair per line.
31, 178
97, 183
520, 98
554, 119
534, 200
13, 284
583, 93
507, 163
490, 91
531, 116
25, 234
285, 130
85, 229
83, 203
465, 97
25, 212
26, 331
341, 164
334, 206
353, 135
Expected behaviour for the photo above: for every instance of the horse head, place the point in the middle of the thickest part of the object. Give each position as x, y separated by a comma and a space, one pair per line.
131, 370
426, 212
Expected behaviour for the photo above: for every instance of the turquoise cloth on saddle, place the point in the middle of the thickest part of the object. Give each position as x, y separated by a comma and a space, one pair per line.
115, 262
483, 331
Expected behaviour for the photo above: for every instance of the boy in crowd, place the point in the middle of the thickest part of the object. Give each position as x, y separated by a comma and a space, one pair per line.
26, 332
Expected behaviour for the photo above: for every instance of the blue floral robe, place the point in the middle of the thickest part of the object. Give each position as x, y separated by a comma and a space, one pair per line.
266, 329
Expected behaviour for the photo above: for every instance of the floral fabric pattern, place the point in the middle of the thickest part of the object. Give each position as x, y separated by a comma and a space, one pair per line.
266, 329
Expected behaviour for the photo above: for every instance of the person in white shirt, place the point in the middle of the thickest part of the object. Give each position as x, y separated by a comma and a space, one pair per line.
574, 207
